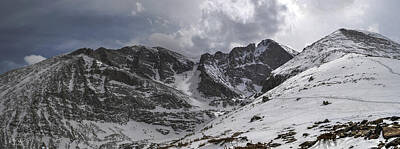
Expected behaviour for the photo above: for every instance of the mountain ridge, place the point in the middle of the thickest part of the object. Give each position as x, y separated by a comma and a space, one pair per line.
149, 97
87, 97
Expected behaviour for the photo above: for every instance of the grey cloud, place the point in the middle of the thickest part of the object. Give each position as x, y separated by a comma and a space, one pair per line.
265, 23
218, 29
386, 16
181, 12
52, 27
327, 6
164, 40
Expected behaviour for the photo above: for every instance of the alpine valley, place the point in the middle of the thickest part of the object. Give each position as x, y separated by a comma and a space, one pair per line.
342, 91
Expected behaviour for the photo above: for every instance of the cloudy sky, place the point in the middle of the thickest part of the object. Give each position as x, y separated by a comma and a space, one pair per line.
31, 31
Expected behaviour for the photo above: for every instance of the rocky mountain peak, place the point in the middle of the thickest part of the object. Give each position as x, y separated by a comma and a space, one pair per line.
238, 50
269, 42
86, 51
265, 42
241, 71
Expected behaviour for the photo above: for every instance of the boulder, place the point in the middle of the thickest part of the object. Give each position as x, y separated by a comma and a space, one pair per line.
307, 144
324, 103
254, 118
390, 132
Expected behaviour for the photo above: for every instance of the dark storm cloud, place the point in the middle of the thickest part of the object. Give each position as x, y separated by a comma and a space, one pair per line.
52, 27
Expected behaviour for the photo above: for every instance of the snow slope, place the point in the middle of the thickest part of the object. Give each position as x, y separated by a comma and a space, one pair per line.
358, 86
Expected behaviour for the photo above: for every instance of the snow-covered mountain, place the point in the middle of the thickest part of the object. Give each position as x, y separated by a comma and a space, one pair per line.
131, 97
340, 92
332, 47
89, 98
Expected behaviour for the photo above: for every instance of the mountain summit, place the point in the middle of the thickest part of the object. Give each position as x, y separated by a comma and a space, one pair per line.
331, 47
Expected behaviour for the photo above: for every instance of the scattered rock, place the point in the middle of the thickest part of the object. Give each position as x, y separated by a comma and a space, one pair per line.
163, 131
364, 121
326, 103
394, 143
222, 140
381, 144
367, 129
307, 144
327, 136
275, 144
237, 134
254, 146
376, 121
313, 126
180, 144
316, 124
254, 118
394, 118
321, 122
265, 99
374, 134
287, 137
311, 79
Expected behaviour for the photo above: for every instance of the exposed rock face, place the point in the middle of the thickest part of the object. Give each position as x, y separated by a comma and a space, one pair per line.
154, 63
241, 71
272, 81
69, 96
331, 47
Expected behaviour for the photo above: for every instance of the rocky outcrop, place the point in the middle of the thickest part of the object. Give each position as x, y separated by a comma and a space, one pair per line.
272, 81
364, 129
241, 71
